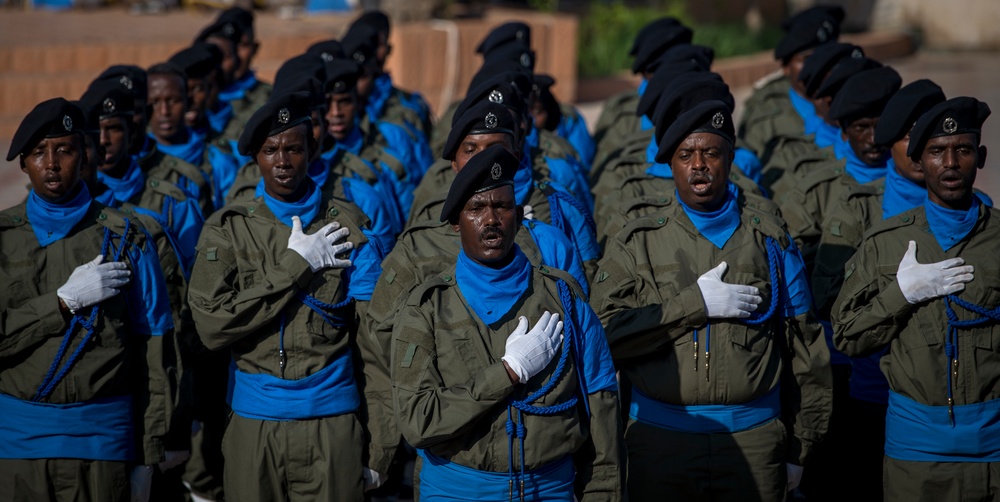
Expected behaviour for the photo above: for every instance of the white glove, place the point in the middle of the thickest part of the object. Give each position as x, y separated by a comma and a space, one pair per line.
173, 458
141, 482
794, 475
320, 249
373, 479
92, 283
724, 300
529, 212
924, 282
529, 352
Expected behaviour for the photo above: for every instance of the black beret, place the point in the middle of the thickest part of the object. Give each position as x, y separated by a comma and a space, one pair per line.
130, 77
865, 94
105, 99
228, 29
684, 53
52, 118
327, 50
341, 75
491, 168
521, 55
239, 16
360, 43
513, 33
303, 64
499, 90
961, 115
822, 60
666, 83
844, 70
276, 116
542, 82
503, 68
481, 118
92, 124
810, 28
904, 108
684, 94
375, 18
708, 116
198, 60
302, 82
655, 38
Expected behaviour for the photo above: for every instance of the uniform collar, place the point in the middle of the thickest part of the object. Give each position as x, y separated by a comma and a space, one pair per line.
861, 172
493, 292
900, 194
51, 221
717, 226
305, 208
951, 226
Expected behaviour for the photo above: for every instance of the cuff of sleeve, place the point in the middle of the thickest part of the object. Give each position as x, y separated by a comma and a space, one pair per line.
297, 267
380, 458
693, 305
798, 450
497, 382
151, 450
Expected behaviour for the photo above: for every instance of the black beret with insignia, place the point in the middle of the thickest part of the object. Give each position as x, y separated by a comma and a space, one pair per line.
276, 116
655, 38
327, 50
712, 116
507, 90
865, 95
238, 16
489, 169
684, 53
961, 115
91, 125
341, 75
360, 43
666, 83
303, 64
198, 60
683, 94
228, 29
508, 70
130, 77
302, 82
375, 18
842, 71
483, 117
810, 28
52, 118
523, 56
822, 60
904, 108
512, 33
105, 99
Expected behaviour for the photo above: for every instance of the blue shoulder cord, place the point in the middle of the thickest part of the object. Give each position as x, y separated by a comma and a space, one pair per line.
51, 378
951, 343
325, 312
554, 196
524, 405
756, 318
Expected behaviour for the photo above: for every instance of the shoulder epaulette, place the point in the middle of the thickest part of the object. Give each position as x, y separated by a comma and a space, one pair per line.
874, 188
634, 203
13, 216
562, 275
761, 204
357, 165
766, 223
419, 293
242, 207
903, 219
166, 188
114, 220
822, 174
653, 220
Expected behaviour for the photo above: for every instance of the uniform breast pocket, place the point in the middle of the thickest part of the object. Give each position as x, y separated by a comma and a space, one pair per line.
926, 316
458, 361
988, 336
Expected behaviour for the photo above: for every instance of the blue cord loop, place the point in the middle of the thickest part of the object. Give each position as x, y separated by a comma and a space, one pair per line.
326, 311
555, 211
87, 323
986, 316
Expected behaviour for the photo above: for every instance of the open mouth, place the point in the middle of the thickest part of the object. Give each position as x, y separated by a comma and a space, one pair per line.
952, 181
700, 185
492, 238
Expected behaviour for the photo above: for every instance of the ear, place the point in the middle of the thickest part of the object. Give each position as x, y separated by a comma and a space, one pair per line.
454, 227
20, 160
981, 162
454, 167
917, 166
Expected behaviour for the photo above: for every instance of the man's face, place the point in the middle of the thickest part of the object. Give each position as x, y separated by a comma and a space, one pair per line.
284, 162
198, 94
701, 166
366, 81
245, 51
318, 129
906, 167
539, 113
93, 153
794, 68
822, 106
383, 50
488, 223
340, 114
53, 165
949, 164
115, 139
475, 143
860, 134
168, 103
229, 59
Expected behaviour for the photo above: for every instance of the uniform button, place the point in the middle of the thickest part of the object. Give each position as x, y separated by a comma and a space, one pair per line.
102, 217
17, 219
251, 209
542, 185
660, 221
906, 218
447, 278
154, 183
663, 199
543, 269
755, 219
334, 211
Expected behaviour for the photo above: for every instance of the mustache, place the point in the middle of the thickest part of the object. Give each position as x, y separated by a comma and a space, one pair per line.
492, 233
700, 177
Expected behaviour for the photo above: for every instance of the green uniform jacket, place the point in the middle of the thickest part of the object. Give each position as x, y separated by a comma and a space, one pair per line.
617, 121
647, 295
872, 313
342, 164
451, 391
244, 108
171, 169
805, 207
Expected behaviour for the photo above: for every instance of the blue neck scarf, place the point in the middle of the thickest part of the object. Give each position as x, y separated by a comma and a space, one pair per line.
806, 111
644, 123
381, 90
826, 134
353, 142
655, 169
900, 194
719, 225
531, 140
192, 151
105, 195
218, 119
52, 221
493, 292
127, 186
147, 147
861, 172
642, 86
305, 208
523, 179
319, 170
238, 89
950, 226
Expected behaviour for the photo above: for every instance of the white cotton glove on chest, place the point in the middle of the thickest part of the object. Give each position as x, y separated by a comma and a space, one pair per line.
724, 300
529, 352
920, 282
92, 283
321, 248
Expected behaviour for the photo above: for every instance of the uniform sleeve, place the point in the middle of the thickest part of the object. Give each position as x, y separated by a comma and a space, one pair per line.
30, 323
579, 137
558, 252
842, 233
376, 389
801, 212
366, 266
426, 410
807, 386
637, 321
584, 238
223, 310
385, 223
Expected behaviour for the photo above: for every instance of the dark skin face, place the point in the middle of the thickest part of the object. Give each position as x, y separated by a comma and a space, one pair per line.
904, 166
318, 129
822, 106
245, 51
860, 134
366, 81
701, 167
168, 102
949, 164
487, 224
284, 163
93, 152
115, 140
539, 113
383, 50
475, 143
230, 62
794, 67
340, 114
53, 165
198, 94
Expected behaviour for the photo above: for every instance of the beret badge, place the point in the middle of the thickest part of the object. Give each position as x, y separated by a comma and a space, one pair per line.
284, 116
950, 125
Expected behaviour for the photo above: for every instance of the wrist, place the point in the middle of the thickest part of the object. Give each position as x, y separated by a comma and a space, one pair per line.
511, 374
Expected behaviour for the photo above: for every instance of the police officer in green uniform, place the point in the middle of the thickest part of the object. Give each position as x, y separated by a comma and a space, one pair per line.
528, 417
923, 284
85, 387
707, 310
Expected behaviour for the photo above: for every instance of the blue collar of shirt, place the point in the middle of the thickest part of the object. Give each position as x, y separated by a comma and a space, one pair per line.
826, 134
861, 172
127, 186
354, 141
105, 195
52, 221
218, 119
950, 226
493, 292
523, 179
655, 169
305, 208
192, 151
719, 225
381, 90
805, 109
319, 170
900, 194
238, 89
